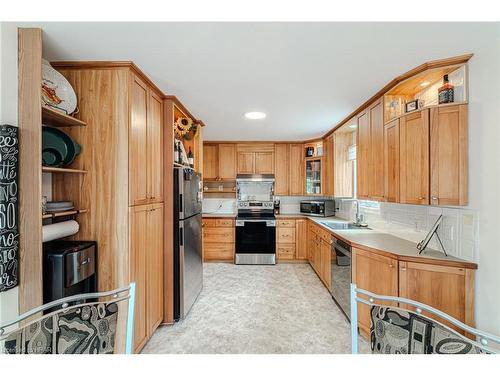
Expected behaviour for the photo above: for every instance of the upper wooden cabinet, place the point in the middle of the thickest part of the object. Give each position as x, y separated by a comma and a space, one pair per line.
281, 169
376, 175
448, 155
297, 182
414, 158
210, 161
145, 145
328, 166
255, 158
227, 161
363, 156
391, 161
219, 161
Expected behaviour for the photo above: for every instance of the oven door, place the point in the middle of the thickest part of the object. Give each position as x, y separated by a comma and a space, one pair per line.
255, 236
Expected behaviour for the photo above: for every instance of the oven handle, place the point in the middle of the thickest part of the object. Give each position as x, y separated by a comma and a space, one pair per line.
340, 249
269, 223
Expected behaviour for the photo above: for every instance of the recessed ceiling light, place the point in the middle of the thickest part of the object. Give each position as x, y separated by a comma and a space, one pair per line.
255, 115
425, 83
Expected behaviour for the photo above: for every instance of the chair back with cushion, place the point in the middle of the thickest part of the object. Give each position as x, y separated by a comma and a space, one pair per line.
74, 327
395, 330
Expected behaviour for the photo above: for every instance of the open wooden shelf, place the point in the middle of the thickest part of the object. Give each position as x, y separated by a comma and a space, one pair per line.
219, 191
52, 117
63, 213
61, 170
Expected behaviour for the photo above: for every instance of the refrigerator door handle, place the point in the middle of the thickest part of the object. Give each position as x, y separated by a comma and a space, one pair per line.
180, 203
181, 236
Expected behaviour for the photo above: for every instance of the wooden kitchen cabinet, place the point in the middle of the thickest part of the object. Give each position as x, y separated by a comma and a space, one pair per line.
328, 166
145, 145
301, 239
319, 253
297, 181
246, 162
325, 261
210, 161
227, 161
146, 269
343, 167
391, 161
285, 239
414, 158
281, 169
264, 162
363, 156
448, 155
376, 177
218, 239
446, 288
375, 273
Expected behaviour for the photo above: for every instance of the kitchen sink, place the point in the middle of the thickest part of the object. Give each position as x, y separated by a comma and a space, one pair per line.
337, 225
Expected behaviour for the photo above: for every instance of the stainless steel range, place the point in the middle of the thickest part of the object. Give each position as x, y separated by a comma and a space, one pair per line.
255, 221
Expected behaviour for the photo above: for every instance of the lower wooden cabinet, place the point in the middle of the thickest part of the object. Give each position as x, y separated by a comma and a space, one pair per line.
375, 273
319, 253
446, 288
301, 239
218, 239
146, 269
285, 239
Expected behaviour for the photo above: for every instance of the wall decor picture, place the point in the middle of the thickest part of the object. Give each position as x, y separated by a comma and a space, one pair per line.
9, 207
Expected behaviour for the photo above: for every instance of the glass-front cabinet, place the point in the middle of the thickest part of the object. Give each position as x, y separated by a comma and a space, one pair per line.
313, 176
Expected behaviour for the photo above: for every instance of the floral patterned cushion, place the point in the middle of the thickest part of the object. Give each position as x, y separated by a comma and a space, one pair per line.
398, 331
87, 329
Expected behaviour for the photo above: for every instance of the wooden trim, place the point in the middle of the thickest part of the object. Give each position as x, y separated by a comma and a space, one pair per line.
51, 117
168, 154
462, 59
30, 160
469, 297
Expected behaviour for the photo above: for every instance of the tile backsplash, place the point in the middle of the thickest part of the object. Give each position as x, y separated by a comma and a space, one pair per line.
458, 230
219, 206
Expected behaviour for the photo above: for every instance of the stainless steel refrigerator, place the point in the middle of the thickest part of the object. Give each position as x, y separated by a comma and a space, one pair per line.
188, 263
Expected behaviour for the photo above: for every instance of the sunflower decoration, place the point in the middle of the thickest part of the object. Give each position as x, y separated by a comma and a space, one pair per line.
185, 128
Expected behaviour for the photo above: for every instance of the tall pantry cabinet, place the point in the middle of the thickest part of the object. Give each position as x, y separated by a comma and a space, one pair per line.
125, 145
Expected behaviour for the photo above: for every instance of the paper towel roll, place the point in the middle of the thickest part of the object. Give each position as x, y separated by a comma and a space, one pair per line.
58, 230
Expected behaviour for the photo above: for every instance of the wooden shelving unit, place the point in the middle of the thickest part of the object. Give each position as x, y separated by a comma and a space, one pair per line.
52, 117
61, 170
219, 191
63, 214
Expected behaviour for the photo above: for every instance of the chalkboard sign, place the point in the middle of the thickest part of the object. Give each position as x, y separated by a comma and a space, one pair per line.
9, 207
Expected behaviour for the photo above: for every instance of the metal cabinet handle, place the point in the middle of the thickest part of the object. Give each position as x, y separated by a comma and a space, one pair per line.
403, 268
391, 266
421, 198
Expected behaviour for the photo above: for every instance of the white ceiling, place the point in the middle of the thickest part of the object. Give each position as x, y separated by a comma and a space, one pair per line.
305, 76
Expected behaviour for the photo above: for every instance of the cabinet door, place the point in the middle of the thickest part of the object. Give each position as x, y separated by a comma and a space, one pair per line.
281, 152
227, 161
343, 169
296, 170
246, 162
449, 289
375, 273
264, 162
363, 156
155, 148
154, 254
138, 144
325, 263
301, 239
210, 161
376, 118
449, 155
414, 158
138, 237
328, 168
391, 161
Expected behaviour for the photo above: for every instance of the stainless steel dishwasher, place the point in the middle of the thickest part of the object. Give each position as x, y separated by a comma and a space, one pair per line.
341, 275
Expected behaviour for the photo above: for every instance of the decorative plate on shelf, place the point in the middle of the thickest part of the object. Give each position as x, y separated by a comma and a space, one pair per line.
56, 90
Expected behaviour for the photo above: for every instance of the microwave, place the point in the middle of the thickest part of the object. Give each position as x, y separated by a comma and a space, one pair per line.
318, 208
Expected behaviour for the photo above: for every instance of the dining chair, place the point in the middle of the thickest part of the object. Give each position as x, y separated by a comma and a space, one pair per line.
80, 324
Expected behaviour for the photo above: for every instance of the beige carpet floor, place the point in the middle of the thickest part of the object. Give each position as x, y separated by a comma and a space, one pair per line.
259, 309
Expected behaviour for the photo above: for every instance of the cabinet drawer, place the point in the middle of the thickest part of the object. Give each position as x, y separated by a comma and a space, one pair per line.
218, 251
285, 235
209, 223
288, 223
214, 234
224, 223
286, 251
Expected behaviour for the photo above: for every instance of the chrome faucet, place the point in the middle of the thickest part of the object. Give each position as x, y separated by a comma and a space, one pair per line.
359, 217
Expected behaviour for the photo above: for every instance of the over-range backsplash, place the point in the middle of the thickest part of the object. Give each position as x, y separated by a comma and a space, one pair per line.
458, 230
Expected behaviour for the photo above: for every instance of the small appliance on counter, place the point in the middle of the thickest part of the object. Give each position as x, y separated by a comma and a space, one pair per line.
276, 206
255, 221
69, 268
321, 208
